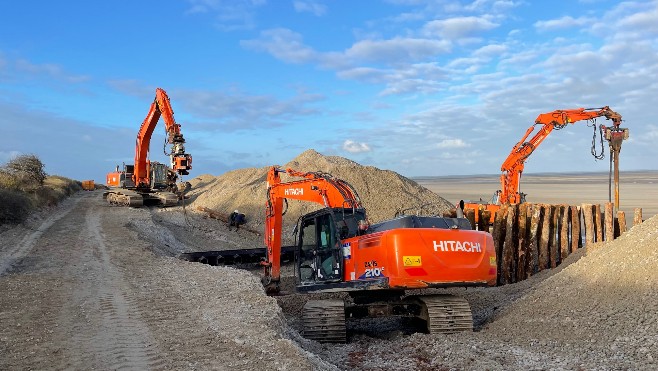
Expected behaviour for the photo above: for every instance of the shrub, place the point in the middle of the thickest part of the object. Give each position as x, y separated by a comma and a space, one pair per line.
8, 181
63, 185
25, 187
28, 169
15, 206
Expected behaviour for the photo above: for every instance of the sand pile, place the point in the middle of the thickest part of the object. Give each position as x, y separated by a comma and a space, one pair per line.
608, 299
383, 192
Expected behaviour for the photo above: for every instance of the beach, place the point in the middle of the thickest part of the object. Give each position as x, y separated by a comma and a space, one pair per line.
637, 189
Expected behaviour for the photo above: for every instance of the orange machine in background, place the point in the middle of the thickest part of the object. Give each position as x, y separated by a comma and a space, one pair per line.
88, 185
514, 164
377, 265
148, 181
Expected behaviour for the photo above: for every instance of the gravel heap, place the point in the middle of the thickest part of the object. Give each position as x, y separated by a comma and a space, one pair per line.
383, 193
607, 301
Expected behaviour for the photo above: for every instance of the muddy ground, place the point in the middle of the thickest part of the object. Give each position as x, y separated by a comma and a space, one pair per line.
92, 286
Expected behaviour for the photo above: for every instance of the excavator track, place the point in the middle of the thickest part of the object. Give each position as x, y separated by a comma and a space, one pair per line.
446, 314
324, 321
165, 199
124, 198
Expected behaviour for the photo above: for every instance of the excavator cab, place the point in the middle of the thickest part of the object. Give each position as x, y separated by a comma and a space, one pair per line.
159, 176
320, 240
319, 249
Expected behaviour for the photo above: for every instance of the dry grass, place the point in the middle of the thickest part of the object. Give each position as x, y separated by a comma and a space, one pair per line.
17, 202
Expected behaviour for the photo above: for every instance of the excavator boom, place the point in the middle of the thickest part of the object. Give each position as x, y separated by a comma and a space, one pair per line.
181, 162
513, 166
145, 180
315, 187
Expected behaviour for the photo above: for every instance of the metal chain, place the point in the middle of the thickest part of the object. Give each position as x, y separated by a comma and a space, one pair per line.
598, 156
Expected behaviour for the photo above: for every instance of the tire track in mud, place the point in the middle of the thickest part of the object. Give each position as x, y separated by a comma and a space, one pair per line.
110, 331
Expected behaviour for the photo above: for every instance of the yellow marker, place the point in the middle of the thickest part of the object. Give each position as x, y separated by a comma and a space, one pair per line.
412, 261
492, 260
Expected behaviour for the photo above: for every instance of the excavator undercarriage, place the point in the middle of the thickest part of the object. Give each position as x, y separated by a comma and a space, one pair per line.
325, 320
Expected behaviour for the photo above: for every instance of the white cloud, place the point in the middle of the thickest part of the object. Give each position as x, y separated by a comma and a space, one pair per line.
230, 15
398, 48
452, 143
48, 69
312, 7
458, 27
490, 50
647, 22
237, 111
355, 147
283, 44
564, 22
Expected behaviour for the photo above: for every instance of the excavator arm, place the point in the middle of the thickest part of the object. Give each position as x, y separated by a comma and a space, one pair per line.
513, 166
315, 187
181, 162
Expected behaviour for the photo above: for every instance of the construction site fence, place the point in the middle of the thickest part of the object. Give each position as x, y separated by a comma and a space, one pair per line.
530, 238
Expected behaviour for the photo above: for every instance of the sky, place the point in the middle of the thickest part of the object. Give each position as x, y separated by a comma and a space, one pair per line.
422, 88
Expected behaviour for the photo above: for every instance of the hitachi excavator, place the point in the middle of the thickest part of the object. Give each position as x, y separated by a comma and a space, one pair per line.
150, 182
379, 266
513, 166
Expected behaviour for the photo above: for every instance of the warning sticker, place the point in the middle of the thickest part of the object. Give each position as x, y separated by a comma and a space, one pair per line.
411, 261
492, 260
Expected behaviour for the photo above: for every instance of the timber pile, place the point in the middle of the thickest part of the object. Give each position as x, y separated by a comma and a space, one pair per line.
532, 237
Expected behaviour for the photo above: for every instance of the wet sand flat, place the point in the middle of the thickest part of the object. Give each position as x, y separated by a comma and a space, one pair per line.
636, 189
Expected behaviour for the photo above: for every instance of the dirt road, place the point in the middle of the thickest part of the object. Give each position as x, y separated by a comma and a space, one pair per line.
81, 290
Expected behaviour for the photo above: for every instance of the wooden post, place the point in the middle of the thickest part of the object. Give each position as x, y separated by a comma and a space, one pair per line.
637, 218
545, 234
557, 243
509, 249
470, 215
522, 250
564, 232
589, 224
575, 228
581, 227
598, 223
533, 246
498, 235
553, 248
486, 217
609, 222
483, 223
621, 219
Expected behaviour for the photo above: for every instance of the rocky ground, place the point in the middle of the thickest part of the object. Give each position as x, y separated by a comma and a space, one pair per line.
91, 286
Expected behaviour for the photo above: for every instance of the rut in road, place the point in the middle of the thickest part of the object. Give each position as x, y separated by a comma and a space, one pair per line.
113, 334
14, 253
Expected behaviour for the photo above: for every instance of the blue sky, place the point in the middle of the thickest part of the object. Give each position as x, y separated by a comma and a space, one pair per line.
423, 88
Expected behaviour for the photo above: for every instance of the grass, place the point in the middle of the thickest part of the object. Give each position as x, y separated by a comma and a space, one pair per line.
18, 200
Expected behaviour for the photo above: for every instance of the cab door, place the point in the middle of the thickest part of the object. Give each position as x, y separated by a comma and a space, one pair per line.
320, 257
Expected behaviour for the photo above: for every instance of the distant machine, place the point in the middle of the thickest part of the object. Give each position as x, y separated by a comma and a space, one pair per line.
150, 182
513, 166
88, 185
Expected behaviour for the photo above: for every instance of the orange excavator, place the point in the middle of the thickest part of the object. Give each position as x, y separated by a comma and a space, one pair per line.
514, 165
150, 182
379, 265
